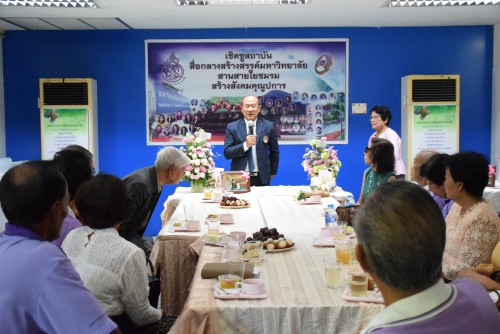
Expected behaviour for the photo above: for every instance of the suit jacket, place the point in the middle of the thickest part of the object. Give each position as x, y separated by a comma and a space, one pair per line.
143, 194
268, 154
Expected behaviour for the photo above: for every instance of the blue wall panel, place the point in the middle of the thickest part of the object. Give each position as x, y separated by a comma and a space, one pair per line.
378, 58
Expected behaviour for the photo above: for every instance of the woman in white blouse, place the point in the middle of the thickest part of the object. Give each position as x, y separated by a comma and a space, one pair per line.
472, 225
112, 268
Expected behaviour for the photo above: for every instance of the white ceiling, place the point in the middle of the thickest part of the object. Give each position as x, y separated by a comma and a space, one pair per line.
165, 14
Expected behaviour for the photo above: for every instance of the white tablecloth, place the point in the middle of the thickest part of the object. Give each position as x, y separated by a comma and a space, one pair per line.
298, 300
492, 194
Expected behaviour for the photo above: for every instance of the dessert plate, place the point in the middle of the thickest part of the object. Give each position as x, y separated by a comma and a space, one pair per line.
323, 242
234, 206
277, 250
371, 297
234, 293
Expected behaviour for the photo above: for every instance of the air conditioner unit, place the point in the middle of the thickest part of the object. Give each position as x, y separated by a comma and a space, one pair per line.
68, 115
430, 108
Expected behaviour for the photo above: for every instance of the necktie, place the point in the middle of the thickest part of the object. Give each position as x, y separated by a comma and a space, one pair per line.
251, 164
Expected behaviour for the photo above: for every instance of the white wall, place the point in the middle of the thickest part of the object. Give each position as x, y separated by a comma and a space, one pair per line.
495, 112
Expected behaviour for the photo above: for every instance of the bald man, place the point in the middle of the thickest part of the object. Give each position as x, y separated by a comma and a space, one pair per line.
252, 144
420, 158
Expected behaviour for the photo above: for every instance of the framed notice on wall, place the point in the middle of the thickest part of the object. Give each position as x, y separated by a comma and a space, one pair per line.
62, 127
301, 86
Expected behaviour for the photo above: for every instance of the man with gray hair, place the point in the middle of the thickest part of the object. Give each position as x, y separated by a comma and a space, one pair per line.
144, 188
401, 237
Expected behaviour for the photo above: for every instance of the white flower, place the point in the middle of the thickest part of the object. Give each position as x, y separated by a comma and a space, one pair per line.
196, 162
204, 162
196, 170
188, 173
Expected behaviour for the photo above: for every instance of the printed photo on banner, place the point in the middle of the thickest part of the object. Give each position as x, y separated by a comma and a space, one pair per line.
301, 86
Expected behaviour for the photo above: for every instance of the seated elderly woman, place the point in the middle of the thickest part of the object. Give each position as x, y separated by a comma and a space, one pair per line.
380, 156
472, 225
434, 171
112, 268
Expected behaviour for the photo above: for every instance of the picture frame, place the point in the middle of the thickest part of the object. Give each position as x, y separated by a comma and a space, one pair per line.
236, 182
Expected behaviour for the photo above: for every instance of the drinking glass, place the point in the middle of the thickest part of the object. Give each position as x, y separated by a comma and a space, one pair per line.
254, 251
343, 250
358, 283
333, 273
188, 212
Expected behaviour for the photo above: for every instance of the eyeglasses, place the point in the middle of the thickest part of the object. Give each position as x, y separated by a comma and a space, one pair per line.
375, 117
367, 149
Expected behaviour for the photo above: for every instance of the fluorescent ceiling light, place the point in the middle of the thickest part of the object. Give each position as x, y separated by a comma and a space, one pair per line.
436, 3
240, 2
50, 3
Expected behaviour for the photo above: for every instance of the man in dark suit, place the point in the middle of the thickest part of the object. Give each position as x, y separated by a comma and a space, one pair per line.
252, 144
144, 189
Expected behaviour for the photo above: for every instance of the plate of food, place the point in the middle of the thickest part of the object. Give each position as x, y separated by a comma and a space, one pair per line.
235, 207
232, 202
272, 240
277, 250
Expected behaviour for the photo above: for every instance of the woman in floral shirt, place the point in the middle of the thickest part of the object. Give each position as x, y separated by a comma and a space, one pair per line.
472, 225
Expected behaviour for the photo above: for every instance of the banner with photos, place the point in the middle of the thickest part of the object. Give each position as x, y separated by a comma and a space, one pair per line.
302, 87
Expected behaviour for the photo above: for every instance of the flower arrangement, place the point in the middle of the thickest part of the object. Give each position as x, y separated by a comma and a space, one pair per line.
200, 172
319, 158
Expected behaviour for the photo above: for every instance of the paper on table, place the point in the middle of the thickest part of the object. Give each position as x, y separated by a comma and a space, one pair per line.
213, 270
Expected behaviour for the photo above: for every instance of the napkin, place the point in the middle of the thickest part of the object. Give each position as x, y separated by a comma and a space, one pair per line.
213, 270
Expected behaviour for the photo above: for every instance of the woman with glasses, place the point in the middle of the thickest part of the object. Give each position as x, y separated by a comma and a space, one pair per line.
380, 156
380, 119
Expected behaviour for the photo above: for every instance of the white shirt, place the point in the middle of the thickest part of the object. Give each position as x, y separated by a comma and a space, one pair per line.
412, 306
254, 151
114, 270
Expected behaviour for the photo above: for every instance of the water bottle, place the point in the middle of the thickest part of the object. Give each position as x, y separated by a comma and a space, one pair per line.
330, 216
349, 200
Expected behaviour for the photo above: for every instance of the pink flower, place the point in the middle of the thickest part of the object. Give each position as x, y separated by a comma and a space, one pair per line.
189, 168
203, 169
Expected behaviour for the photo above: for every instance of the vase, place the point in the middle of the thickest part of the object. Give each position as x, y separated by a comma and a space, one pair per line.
196, 187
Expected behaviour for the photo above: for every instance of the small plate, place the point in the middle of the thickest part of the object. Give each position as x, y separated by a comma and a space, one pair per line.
234, 207
308, 202
371, 297
234, 294
183, 228
218, 243
323, 242
209, 200
277, 250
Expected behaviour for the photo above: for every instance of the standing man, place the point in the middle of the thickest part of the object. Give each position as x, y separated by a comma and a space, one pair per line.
144, 189
42, 292
401, 245
252, 144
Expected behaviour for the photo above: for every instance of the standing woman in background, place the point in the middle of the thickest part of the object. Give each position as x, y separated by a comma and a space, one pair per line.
380, 119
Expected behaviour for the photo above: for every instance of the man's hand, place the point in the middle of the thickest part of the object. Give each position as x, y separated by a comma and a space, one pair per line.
251, 140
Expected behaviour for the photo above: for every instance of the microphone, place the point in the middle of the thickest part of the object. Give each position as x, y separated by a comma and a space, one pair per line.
250, 128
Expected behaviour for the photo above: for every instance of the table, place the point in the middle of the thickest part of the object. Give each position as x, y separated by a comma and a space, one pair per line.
298, 300
492, 194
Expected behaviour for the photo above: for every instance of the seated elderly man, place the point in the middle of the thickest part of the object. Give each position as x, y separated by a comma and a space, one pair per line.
401, 245
41, 291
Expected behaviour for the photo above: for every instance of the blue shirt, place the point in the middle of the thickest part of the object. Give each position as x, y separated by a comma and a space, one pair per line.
41, 291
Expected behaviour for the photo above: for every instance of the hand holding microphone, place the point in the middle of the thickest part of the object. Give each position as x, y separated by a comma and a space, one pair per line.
251, 138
